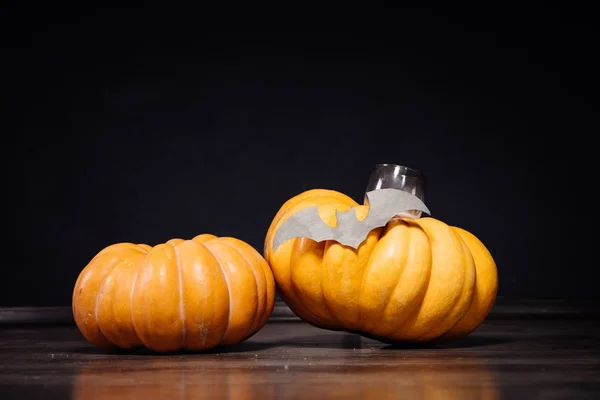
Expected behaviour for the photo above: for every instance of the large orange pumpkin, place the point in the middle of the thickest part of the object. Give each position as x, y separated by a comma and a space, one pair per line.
412, 280
182, 294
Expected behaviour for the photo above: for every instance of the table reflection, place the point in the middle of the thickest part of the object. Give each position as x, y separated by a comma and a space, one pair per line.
377, 374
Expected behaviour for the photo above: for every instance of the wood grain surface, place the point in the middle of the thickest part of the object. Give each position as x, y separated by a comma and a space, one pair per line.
503, 359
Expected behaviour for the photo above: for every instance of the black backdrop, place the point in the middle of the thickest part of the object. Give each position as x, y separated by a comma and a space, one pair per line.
119, 127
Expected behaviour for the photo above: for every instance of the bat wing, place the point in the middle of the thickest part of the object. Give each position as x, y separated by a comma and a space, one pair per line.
384, 204
305, 223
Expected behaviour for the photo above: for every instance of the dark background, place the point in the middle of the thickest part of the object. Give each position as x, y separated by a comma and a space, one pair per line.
122, 127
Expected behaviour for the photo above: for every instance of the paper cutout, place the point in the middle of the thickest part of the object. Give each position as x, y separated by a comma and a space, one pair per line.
384, 204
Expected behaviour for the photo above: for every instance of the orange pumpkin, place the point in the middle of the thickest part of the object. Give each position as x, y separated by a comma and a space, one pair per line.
182, 294
413, 280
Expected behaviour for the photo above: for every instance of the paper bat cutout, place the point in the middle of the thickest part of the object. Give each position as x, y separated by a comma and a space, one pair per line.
383, 205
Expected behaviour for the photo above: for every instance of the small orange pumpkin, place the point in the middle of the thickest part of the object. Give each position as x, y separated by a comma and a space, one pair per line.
182, 294
413, 280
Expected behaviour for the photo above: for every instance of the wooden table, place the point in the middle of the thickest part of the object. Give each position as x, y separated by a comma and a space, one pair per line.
512, 358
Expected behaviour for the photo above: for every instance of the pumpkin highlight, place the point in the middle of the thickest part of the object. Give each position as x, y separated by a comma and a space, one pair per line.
182, 294
413, 280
